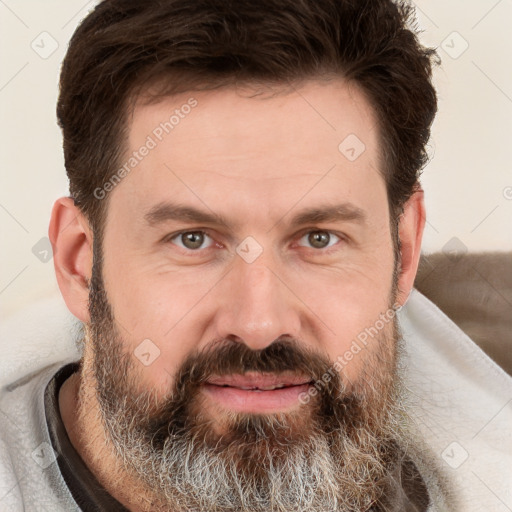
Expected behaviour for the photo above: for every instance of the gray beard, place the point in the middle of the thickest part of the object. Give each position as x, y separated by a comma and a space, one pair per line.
332, 455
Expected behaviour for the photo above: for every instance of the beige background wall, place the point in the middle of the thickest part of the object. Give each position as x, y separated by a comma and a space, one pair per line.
468, 184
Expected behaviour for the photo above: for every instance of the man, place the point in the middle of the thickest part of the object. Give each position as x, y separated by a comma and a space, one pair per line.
244, 207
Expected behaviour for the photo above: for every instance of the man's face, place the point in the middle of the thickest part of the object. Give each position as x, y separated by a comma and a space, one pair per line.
247, 251
259, 164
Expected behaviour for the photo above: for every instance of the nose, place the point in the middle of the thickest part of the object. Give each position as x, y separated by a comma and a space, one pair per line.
255, 305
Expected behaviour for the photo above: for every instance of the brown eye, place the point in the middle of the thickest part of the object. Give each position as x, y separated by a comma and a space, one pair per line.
319, 239
192, 240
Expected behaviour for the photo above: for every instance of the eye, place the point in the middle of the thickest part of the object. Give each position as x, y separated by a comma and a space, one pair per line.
192, 240
319, 239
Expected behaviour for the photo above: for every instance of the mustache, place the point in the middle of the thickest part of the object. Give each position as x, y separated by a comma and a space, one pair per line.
226, 357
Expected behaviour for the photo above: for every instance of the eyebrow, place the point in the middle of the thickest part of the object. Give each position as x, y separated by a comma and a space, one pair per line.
346, 212
166, 211
163, 212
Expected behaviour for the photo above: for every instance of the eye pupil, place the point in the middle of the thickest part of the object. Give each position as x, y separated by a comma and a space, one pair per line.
193, 239
319, 239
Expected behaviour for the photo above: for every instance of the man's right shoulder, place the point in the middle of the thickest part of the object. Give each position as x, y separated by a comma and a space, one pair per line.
29, 475
35, 343
40, 334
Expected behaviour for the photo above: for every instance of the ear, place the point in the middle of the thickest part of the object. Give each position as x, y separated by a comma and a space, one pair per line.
411, 225
72, 239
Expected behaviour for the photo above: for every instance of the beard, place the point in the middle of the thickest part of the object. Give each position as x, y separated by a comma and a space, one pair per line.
334, 453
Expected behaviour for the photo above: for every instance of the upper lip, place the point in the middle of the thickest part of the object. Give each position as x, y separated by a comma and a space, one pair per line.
254, 380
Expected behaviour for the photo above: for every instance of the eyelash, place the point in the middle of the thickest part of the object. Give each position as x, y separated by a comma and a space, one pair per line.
325, 250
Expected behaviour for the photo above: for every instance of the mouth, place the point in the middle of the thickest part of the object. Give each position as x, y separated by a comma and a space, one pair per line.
257, 393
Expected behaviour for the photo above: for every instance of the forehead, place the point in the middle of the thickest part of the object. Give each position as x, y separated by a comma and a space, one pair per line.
318, 139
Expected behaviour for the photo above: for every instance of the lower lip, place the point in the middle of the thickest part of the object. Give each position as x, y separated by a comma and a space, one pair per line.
255, 401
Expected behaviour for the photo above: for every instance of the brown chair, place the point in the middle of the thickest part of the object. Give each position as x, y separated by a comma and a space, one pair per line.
475, 291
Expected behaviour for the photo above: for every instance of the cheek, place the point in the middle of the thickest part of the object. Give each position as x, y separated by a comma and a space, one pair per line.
369, 355
157, 316
355, 308
350, 296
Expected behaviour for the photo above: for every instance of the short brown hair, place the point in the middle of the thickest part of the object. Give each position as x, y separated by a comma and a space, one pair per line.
123, 45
